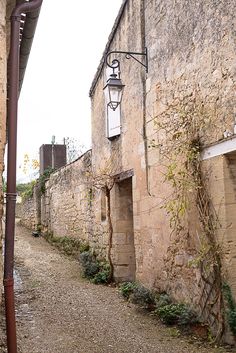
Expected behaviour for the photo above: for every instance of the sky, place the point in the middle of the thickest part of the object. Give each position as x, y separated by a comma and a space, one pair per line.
67, 48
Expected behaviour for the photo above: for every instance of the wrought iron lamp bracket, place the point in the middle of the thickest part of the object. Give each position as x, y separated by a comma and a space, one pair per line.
115, 64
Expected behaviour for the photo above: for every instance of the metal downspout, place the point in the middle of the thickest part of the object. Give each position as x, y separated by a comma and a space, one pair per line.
12, 105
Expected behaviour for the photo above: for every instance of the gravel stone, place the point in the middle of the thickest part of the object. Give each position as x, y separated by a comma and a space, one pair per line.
60, 312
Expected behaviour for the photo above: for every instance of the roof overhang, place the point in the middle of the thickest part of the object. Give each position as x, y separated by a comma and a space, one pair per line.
27, 37
28, 28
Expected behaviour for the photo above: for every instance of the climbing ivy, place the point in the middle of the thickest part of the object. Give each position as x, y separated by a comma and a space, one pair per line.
44, 177
181, 130
231, 308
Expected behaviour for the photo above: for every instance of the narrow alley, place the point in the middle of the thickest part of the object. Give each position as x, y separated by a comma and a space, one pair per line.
58, 311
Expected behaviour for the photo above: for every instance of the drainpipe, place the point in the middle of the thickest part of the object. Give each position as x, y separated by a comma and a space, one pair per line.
12, 105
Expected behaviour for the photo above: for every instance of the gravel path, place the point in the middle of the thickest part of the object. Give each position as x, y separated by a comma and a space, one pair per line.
59, 312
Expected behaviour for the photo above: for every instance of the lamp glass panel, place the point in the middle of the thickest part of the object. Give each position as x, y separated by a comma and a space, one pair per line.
107, 95
114, 94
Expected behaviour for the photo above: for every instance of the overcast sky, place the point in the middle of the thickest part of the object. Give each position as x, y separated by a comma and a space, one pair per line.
67, 49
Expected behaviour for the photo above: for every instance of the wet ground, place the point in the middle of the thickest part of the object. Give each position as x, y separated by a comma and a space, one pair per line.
59, 312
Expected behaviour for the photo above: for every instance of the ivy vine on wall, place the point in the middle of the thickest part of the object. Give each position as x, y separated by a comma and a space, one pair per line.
182, 129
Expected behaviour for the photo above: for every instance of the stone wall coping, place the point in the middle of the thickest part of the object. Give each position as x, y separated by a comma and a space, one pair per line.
69, 164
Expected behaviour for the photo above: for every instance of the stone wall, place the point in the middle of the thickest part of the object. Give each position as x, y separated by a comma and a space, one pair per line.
191, 61
63, 206
124, 152
66, 205
29, 211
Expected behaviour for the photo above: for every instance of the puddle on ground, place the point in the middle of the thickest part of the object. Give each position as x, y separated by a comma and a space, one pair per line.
18, 284
23, 311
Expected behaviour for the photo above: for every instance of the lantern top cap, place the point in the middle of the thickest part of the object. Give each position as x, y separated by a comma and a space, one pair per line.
114, 81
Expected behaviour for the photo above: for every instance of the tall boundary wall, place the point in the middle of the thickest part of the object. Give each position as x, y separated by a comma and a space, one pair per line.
63, 206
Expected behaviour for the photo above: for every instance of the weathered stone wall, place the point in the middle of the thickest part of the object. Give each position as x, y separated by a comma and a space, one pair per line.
63, 206
66, 204
191, 61
30, 210
122, 153
191, 55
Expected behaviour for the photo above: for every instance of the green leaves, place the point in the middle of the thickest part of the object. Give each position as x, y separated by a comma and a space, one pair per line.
231, 308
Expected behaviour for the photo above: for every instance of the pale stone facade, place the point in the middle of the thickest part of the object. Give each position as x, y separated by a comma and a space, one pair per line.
190, 53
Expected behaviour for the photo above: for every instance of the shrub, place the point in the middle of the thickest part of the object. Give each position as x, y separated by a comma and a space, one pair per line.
84, 247
231, 308
70, 246
26, 190
127, 288
142, 296
97, 272
89, 264
162, 300
103, 276
176, 314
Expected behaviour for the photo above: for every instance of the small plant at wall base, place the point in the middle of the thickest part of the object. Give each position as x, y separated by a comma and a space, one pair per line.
103, 275
127, 288
161, 305
138, 294
142, 297
176, 314
230, 308
68, 245
97, 271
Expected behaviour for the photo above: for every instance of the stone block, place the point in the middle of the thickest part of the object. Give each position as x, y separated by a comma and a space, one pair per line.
137, 225
119, 238
123, 259
122, 273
